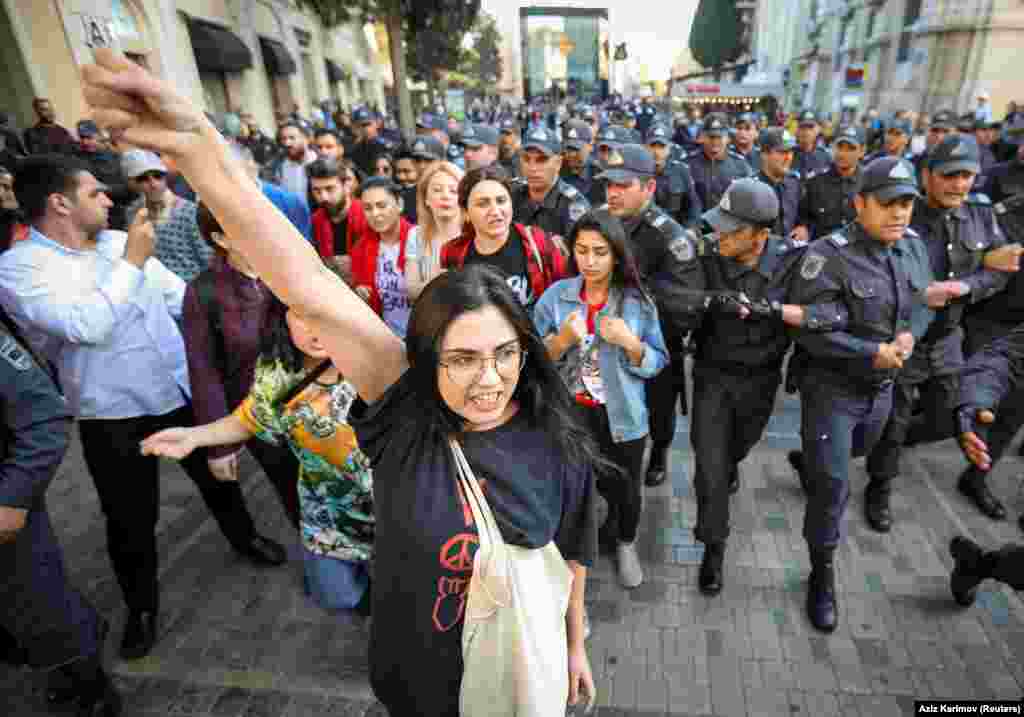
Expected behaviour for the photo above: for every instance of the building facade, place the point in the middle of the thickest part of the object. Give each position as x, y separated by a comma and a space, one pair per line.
921, 55
259, 56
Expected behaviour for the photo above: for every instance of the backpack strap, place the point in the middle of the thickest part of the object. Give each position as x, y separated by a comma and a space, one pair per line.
304, 383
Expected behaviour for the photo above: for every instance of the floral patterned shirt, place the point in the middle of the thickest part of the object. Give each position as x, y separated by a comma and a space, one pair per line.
335, 479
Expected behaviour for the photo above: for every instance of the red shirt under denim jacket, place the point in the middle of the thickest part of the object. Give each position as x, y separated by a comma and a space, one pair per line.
364, 260
545, 262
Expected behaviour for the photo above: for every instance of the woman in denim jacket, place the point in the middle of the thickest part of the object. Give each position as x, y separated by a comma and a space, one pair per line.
601, 328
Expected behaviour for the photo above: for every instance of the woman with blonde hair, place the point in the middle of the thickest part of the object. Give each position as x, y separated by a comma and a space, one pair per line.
440, 217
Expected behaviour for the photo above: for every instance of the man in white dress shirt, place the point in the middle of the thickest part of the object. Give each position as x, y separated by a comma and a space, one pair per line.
102, 309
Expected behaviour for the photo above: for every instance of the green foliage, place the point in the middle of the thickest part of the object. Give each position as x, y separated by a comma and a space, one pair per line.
716, 34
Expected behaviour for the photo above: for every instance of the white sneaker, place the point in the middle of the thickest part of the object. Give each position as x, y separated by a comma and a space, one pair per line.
630, 572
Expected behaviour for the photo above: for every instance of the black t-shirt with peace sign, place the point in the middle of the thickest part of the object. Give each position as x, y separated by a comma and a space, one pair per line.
426, 538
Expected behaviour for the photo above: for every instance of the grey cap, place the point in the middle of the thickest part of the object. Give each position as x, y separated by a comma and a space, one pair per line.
748, 117
955, 153
609, 137
427, 147
850, 134
747, 201
544, 140
508, 125
361, 115
577, 135
715, 125
629, 162
900, 125
479, 135
889, 178
944, 119
808, 118
776, 138
136, 162
658, 134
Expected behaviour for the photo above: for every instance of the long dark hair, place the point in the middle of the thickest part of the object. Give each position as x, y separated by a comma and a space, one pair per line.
541, 392
276, 340
625, 274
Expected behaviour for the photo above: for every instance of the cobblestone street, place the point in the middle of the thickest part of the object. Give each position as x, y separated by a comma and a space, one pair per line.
236, 640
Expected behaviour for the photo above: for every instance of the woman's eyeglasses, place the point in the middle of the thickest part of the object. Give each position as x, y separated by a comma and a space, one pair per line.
466, 369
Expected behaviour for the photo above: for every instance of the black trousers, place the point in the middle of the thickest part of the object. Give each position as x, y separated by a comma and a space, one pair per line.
1008, 566
128, 484
662, 392
730, 413
623, 493
282, 470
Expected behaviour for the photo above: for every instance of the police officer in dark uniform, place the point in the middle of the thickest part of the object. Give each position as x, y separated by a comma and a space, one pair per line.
508, 147
744, 142
667, 259
957, 234
56, 629
646, 115
846, 389
676, 193
608, 140
777, 147
898, 133
740, 346
540, 198
105, 165
809, 155
827, 202
369, 146
1006, 179
714, 167
578, 167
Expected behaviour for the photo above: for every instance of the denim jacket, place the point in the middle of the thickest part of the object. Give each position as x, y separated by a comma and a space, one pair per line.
624, 382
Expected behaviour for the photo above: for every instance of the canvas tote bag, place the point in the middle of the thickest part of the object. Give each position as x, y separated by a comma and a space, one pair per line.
514, 644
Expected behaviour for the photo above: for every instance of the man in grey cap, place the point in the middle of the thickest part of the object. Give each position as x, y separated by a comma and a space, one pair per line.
744, 141
809, 155
667, 260
777, 147
508, 146
1006, 179
481, 145
540, 198
827, 202
876, 268
897, 141
714, 167
578, 169
740, 348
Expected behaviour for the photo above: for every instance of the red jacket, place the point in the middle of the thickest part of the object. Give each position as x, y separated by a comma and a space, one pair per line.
323, 230
364, 260
545, 263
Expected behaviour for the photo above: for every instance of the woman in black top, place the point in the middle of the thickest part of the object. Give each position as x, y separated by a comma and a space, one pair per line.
473, 367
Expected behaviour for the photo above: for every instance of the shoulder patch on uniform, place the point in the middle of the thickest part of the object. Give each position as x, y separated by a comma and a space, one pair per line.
838, 239
577, 210
811, 266
682, 248
570, 191
999, 207
979, 198
12, 352
659, 220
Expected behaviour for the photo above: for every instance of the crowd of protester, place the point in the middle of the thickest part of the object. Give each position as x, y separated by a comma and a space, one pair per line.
343, 305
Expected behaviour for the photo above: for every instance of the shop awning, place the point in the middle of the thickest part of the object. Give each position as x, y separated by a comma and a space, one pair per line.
276, 57
216, 48
335, 73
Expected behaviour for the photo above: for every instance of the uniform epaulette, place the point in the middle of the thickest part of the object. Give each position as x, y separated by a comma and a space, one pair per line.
979, 198
912, 233
999, 208
813, 173
736, 154
838, 239
569, 190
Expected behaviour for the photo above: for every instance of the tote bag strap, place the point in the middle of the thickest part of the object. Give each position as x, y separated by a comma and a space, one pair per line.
487, 529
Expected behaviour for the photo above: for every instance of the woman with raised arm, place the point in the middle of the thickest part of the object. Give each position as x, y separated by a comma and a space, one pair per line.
473, 369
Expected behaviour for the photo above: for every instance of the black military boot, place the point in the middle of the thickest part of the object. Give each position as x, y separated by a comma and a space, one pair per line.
876, 504
974, 486
822, 605
971, 565
710, 579
96, 694
656, 469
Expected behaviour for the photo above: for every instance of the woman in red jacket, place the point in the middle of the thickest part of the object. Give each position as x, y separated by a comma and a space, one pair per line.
378, 258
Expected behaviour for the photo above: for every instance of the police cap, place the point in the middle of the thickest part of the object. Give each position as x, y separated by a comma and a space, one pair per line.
747, 201
888, 178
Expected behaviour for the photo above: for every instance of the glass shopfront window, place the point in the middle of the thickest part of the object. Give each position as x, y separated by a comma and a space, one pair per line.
565, 52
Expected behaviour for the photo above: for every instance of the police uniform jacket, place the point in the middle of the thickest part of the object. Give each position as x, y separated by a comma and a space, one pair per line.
711, 177
561, 209
879, 287
584, 181
666, 257
817, 160
677, 195
364, 155
993, 371
956, 241
728, 341
788, 191
1005, 180
827, 202
753, 157
511, 165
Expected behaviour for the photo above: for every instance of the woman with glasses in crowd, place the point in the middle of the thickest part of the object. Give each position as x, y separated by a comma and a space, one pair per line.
472, 368
602, 328
437, 195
